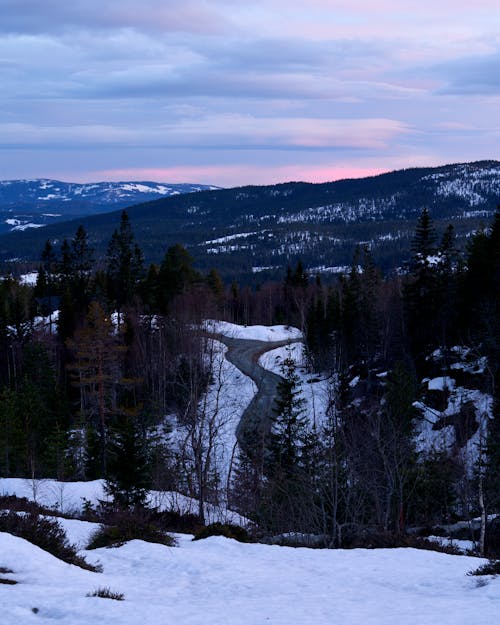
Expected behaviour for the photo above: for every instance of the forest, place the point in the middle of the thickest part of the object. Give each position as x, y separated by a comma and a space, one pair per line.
103, 358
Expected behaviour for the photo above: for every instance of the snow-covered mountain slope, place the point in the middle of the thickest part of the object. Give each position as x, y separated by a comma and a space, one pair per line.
35, 203
256, 231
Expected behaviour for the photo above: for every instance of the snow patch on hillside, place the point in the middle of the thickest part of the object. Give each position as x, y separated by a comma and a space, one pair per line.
253, 333
220, 410
73, 497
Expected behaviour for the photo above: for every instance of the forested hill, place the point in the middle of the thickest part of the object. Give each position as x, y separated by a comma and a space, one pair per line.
26, 204
258, 229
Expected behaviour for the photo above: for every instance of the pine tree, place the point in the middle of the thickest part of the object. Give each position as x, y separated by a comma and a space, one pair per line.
65, 264
446, 287
11, 435
129, 469
396, 441
215, 284
30, 417
370, 320
82, 260
422, 246
421, 290
45, 284
176, 275
289, 424
96, 365
49, 258
124, 264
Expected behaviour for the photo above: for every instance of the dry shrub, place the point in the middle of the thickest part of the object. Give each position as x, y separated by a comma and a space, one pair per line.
106, 593
44, 533
491, 568
124, 525
224, 529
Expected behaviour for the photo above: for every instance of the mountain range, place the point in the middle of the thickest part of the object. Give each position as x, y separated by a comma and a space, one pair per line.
35, 203
255, 231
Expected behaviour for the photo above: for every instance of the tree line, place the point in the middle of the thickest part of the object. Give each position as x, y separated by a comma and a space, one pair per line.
86, 395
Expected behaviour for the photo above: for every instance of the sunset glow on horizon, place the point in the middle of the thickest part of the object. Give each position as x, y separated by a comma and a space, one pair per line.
228, 93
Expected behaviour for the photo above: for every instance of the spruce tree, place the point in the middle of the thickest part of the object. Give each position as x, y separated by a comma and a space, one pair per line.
124, 264
176, 274
129, 469
421, 290
422, 246
82, 259
289, 424
396, 443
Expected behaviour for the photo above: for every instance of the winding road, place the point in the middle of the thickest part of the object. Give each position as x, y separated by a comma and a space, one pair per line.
244, 354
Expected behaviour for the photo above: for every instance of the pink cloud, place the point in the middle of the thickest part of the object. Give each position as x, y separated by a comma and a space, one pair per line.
235, 175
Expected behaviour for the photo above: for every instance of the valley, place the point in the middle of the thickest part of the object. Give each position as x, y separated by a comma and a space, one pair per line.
251, 233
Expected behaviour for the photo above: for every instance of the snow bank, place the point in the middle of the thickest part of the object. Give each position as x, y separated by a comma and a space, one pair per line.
254, 333
220, 582
70, 497
65, 497
441, 383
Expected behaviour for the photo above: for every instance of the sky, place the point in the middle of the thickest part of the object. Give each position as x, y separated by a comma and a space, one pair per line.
231, 92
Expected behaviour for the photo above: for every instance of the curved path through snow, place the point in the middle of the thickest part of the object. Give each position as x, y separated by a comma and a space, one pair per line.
244, 354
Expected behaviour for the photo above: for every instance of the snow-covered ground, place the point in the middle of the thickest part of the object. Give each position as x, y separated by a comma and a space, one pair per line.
443, 438
465, 546
221, 582
229, 393
29, 278
71, 498
254, 333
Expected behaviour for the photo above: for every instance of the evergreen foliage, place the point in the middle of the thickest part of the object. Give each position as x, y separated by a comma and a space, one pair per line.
129, 471
289, 423
77, 404
176, 274
124, 264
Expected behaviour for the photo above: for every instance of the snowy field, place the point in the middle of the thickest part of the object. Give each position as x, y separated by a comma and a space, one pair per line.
221, 582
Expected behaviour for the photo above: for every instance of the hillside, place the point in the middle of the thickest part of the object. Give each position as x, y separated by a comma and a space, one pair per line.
257, 230
26, 204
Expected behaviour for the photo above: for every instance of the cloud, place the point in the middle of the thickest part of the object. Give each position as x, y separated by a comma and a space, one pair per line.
219, 131
270, 83
56, 16
478, 75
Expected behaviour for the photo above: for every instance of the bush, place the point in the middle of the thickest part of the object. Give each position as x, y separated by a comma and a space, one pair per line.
223, 529
5, 580
106, 593
299, 539
44, 533
492, 543
492, 568
374, 538
124, 525
176, 522
22, 504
